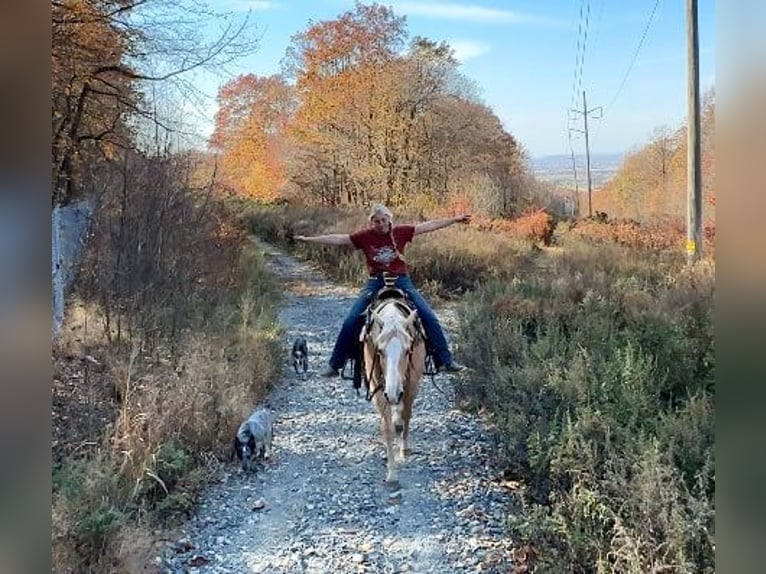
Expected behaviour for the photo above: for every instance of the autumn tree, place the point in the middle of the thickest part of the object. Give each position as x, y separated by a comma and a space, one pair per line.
249, 134
105, 54
340, 70
651, 183
375, 121
92, 89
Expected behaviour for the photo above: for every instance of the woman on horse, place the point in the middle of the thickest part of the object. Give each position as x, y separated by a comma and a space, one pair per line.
383, 245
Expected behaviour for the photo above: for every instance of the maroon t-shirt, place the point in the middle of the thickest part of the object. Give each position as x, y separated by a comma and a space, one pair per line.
379, 252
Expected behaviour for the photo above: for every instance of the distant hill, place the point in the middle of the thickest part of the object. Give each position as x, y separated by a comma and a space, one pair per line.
558, 169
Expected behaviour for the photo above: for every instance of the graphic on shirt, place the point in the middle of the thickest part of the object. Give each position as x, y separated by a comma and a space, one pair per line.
384, 255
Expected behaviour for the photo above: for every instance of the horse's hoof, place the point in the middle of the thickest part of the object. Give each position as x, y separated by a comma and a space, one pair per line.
394, 498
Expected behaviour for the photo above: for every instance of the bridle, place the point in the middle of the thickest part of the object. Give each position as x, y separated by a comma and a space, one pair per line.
375, 367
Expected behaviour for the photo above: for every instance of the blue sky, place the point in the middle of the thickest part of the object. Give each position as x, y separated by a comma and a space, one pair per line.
524, 57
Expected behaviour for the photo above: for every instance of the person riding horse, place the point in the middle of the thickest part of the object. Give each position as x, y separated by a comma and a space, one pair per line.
383, 244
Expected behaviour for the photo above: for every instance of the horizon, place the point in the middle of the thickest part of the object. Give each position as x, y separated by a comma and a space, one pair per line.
629, 59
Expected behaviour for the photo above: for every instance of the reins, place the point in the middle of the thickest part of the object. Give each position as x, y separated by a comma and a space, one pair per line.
367, 377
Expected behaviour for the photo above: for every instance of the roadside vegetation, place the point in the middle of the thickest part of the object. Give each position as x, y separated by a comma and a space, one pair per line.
170, 340
594, 360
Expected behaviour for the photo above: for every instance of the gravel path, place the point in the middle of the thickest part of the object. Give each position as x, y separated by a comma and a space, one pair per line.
320, 505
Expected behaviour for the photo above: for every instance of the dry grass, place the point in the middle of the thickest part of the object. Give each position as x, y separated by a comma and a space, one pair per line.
594, 359
152, 436
446, 263
140, 421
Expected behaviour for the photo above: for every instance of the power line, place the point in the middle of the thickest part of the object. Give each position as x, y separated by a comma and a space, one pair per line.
635, 55
577, 81
577, 59
582, 39
585, 113
584, 46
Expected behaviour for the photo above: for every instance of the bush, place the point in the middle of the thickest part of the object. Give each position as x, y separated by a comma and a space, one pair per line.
446, 264
188, 354
597, 371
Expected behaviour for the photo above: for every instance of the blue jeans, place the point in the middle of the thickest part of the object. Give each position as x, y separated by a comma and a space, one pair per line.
348, 337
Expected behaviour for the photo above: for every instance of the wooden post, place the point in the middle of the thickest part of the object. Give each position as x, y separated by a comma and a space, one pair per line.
693, 165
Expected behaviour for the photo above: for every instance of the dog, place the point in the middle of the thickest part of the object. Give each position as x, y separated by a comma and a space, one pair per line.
254, 437
300, 355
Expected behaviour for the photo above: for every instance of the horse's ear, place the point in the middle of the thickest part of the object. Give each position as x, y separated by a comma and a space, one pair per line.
377, 318
410, 320
363, 333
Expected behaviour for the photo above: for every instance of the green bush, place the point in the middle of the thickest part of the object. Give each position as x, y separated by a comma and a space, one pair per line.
95, 497
598, 373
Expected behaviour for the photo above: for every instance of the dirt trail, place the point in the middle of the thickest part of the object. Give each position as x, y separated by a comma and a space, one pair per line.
326, 508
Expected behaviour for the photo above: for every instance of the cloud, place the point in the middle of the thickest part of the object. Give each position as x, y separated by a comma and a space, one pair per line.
256, 5
468, 49
463, 12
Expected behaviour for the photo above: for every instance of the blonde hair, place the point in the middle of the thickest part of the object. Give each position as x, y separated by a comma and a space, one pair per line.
378, 209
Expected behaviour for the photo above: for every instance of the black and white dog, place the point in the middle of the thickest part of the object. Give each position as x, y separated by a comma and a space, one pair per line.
300, 355
254, 437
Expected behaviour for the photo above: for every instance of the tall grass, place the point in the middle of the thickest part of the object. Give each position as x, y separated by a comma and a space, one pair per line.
595, 361
187, 354
598, 369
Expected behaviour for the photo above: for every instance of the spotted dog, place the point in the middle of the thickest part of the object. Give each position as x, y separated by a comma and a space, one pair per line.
254, 437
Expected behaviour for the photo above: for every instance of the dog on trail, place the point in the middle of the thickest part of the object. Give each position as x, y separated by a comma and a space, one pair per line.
254, 437
300, 355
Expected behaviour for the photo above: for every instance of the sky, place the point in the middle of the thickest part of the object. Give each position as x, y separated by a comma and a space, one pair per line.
531, 61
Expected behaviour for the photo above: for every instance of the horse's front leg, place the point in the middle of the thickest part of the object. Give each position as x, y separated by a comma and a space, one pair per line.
388, 438
405, 438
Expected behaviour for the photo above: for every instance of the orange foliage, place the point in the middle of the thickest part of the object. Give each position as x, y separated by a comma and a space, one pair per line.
456, 204
535, 225
650, 186
249, 128
668, 236
92, 90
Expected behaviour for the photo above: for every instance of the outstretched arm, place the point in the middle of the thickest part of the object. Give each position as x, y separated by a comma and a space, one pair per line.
434, 224
331, 239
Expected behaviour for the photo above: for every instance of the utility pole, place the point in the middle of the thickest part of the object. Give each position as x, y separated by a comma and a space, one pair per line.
585, 111
587, 154
693, 165
576, 198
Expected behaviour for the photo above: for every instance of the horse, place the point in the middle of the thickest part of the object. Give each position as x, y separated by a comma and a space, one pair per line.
394, 353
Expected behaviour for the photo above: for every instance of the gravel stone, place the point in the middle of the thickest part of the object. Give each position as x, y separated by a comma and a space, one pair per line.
320, 504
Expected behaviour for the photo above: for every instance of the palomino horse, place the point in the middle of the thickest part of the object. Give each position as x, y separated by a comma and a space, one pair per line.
394, 354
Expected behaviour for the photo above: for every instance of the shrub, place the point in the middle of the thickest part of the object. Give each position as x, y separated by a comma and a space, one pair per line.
186, 370
597, 371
